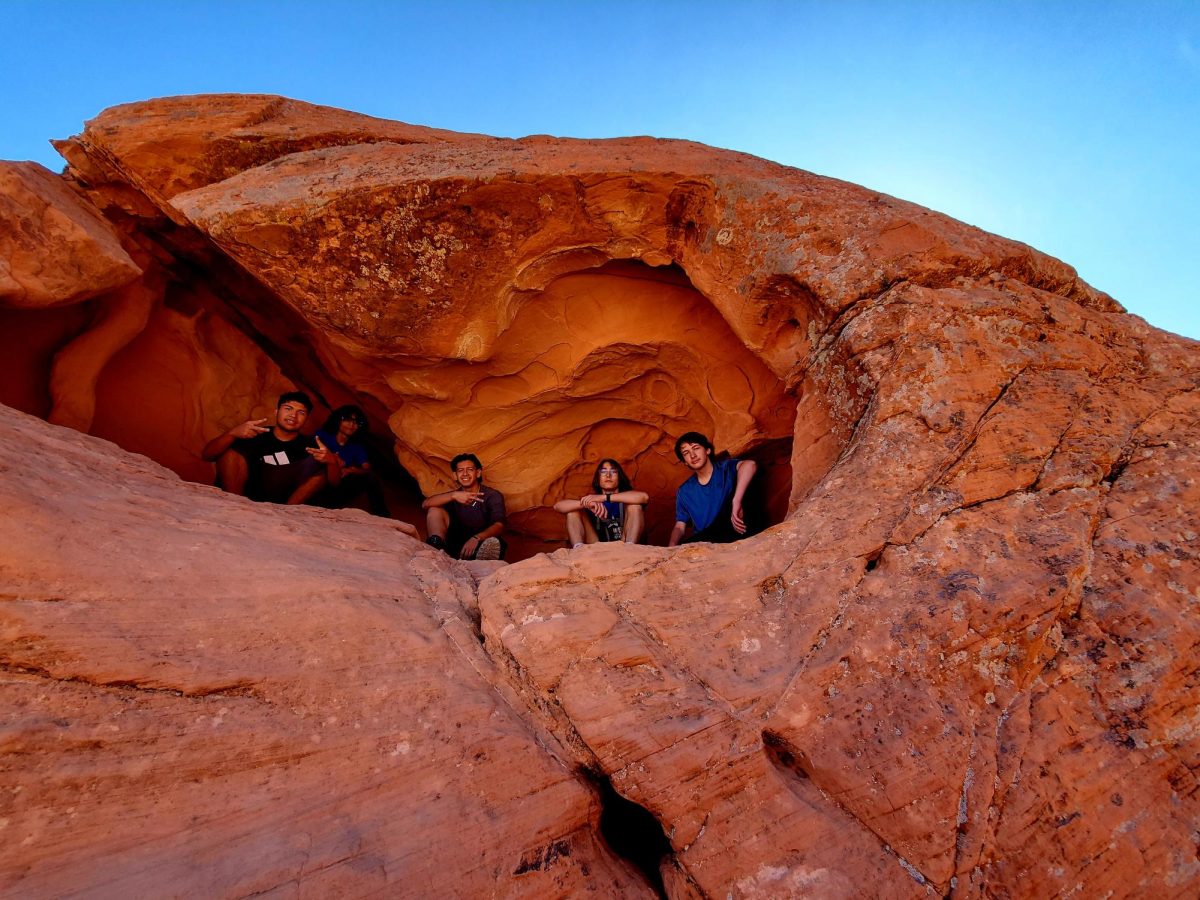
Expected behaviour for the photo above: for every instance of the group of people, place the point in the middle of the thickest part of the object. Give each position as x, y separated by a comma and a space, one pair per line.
278, 463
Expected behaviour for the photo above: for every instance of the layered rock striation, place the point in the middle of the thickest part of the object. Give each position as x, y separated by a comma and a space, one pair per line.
964, 662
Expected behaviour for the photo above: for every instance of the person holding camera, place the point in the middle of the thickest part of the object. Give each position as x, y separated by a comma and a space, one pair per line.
612, 513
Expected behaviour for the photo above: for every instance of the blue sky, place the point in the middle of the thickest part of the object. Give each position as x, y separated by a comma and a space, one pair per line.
1072, 126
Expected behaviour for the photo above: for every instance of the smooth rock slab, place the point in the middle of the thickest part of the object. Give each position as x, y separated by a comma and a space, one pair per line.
208, 697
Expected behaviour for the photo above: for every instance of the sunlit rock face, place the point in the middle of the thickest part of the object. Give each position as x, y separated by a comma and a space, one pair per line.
541, 302
55, 249
961, 663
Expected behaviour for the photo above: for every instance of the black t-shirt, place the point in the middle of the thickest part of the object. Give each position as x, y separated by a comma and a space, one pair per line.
267, 450
276, 467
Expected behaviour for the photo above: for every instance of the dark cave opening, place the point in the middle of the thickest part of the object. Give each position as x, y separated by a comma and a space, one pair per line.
631, 832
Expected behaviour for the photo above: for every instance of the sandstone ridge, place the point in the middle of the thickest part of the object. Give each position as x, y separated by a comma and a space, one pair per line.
964, 662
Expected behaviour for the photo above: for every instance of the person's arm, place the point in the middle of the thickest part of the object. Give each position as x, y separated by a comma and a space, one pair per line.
360, 469
222, 442
567, 506
677, 534
637, 498
682, 517
595, 502
447, 497
745, 471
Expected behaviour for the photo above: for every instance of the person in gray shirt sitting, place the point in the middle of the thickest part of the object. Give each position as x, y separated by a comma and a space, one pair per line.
467, 522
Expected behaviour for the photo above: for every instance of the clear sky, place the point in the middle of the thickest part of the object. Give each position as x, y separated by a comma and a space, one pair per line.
1071, 126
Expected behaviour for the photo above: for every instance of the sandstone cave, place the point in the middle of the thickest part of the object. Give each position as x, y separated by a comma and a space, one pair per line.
614, 360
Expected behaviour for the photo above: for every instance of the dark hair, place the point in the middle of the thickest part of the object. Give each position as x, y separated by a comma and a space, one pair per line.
295, 397
623, 483
692, 437
465, 457
349, 411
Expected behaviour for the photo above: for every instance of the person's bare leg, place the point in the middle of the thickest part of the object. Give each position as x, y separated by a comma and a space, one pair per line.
575, 527
232, 472
589, 530
437, 522
635, 519
307, 488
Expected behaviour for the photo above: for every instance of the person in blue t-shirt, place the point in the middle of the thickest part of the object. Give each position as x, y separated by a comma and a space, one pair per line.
711, 500
614, 512
343, 433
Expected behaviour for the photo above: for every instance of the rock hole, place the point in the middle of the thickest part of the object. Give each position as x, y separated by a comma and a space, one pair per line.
615, 360
631, 832
784, 757
1117, 470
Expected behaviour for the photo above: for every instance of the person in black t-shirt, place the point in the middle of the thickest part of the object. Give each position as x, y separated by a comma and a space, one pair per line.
467, 522
274, 463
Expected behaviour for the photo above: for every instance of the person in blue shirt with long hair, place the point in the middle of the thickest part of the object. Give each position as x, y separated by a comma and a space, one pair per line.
343, 433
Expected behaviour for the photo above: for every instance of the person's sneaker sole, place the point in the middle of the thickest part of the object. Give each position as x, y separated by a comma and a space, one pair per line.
488, 549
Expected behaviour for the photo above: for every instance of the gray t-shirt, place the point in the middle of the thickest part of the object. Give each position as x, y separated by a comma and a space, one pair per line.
472, 518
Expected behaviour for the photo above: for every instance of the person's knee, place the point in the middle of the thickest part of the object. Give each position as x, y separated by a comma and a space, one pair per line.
307, 490
635, 518
232, 472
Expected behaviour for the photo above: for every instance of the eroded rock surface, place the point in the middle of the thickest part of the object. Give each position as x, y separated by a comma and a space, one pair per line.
965, 663
54, 248
543, 302
183, 717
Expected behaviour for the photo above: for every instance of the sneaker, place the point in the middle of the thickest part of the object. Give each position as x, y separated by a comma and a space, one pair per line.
488, 549
435, 542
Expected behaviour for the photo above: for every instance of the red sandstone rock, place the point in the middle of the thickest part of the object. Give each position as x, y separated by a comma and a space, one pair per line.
54, 249
185, 715
964, 664
526, 298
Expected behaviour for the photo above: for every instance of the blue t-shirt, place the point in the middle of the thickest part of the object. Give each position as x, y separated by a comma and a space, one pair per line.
350, 454
701, 503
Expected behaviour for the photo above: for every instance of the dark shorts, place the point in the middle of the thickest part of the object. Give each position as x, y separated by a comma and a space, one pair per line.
275, 484
721, 530
607, 530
